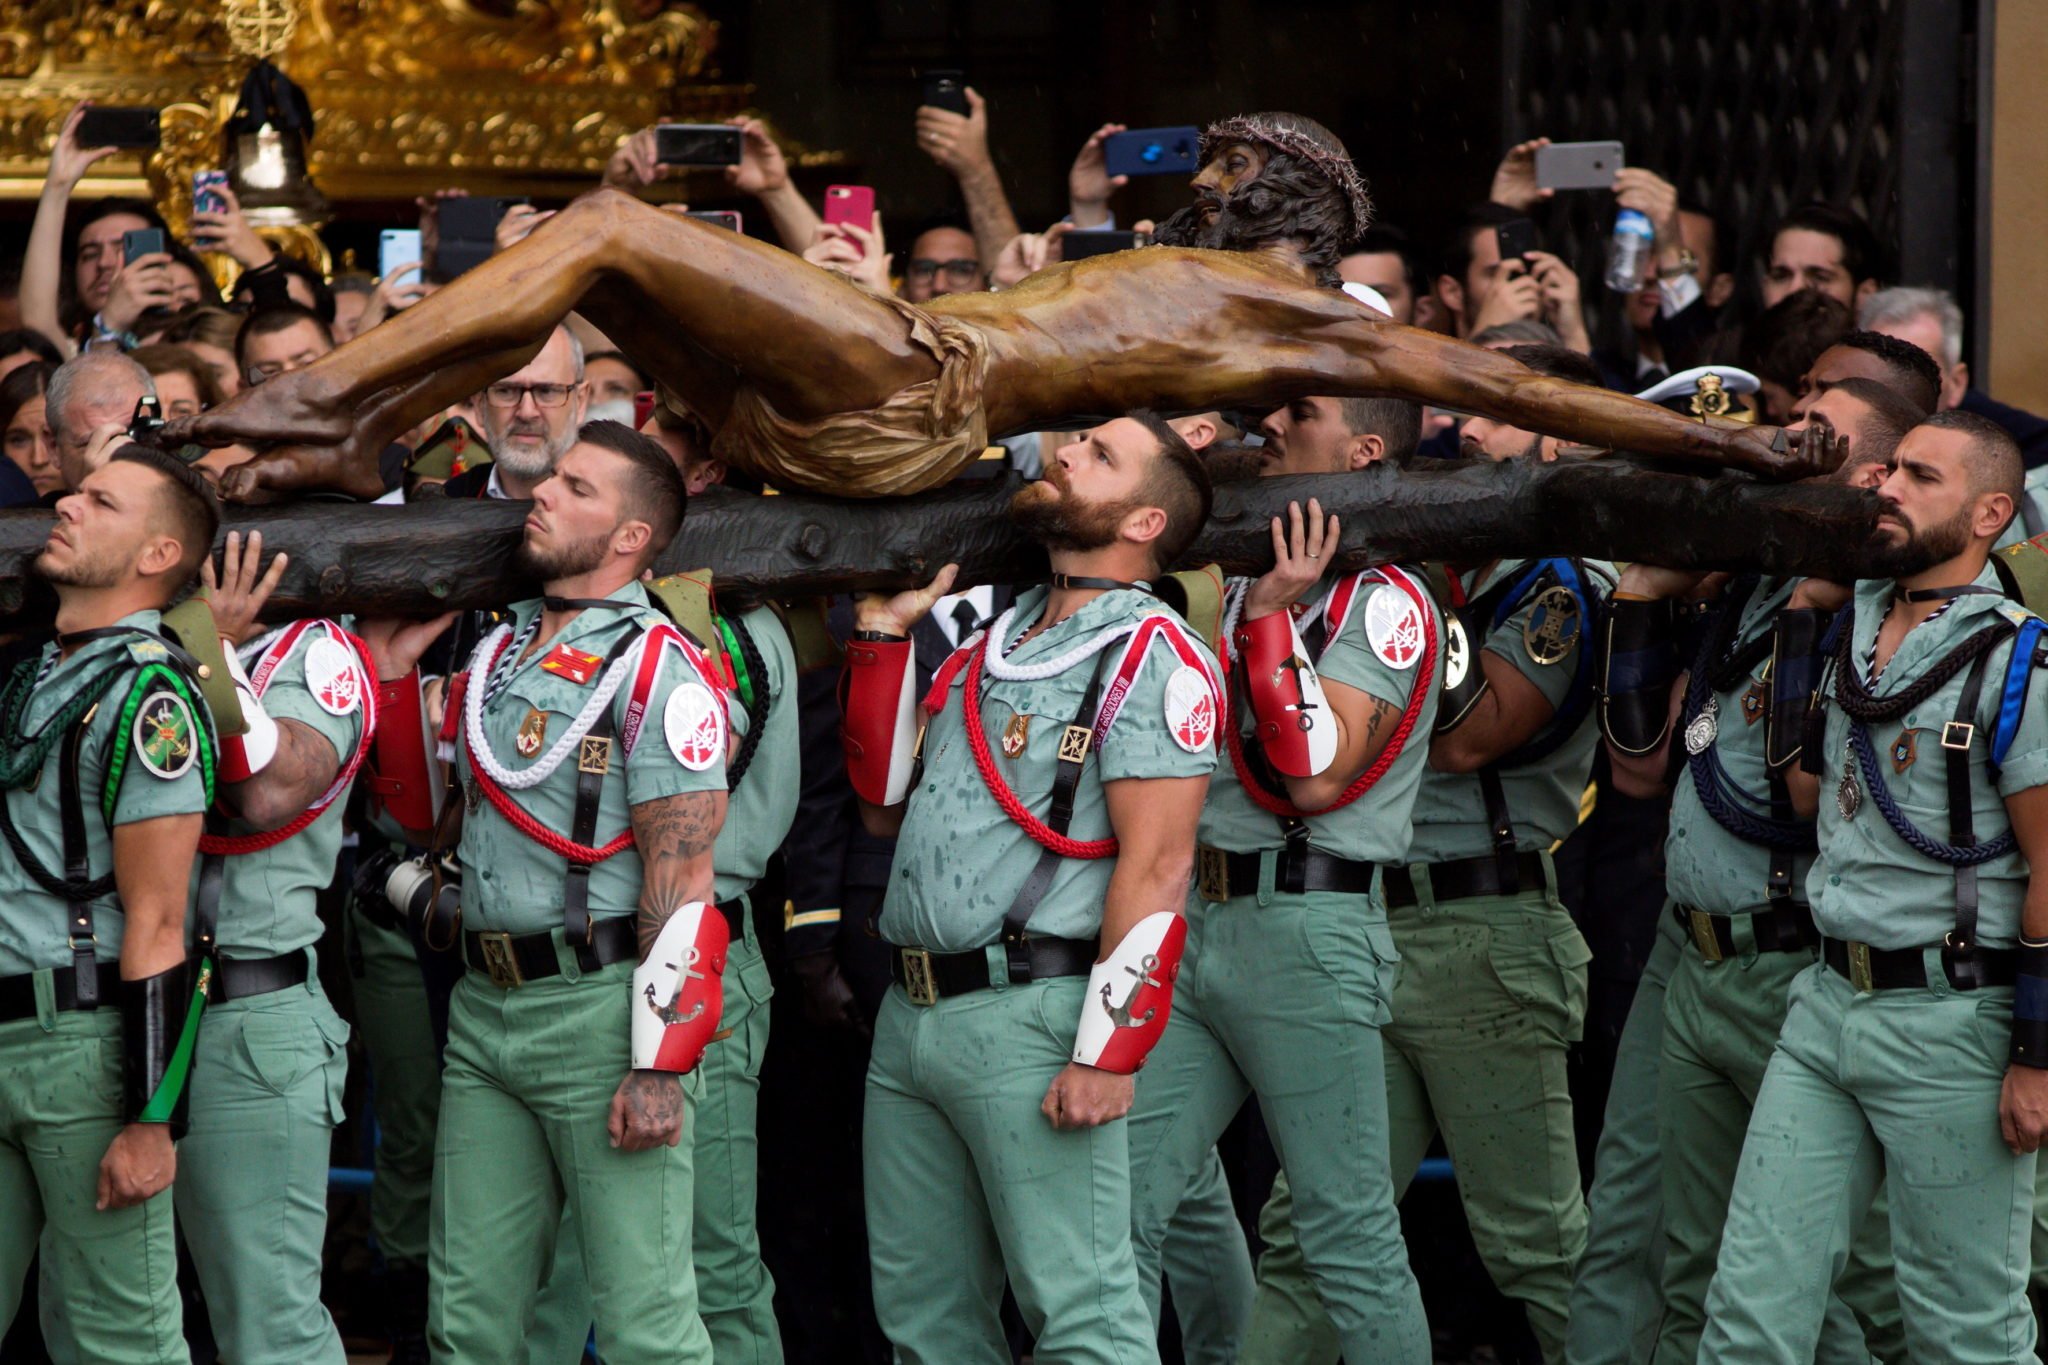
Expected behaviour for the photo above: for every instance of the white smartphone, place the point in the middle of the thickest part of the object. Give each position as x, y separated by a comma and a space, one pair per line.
396, 249
1578, 165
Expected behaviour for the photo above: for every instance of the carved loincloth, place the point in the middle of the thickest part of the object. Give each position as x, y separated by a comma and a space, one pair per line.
918, 439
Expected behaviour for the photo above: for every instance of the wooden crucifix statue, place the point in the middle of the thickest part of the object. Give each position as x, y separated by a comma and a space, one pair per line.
813, 383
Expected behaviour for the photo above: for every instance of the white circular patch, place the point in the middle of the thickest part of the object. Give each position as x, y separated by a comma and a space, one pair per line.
331, 676
1393, 627
693, 723
1190, 709
164, 737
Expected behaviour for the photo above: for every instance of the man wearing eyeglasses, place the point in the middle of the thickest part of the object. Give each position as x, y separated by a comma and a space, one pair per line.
275, 340
531, 417
942, 261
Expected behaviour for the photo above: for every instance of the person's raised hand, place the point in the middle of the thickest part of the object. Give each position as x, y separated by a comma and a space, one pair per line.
394, 293
68, 160
958, 142
1514, 180
1302, 550
518, 224
632, 162
895, 615
396, 643
237, 592
139, 285
1515, 297
1089, 183
228, 231
1563, 309
871, 268
1650, 194
762, 169
1028, 253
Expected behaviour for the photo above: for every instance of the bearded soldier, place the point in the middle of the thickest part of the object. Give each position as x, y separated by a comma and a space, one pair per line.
1034, 971
107, 762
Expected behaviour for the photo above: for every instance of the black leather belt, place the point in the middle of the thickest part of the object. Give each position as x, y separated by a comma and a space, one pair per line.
928, 976
1464, 878
1786, 928
1220, 875
735, 912
1882, 969
238, 979
18, 993
514, 959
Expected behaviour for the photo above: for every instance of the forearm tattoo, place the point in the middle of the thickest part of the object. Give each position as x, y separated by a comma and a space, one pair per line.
674, 836
654, 1099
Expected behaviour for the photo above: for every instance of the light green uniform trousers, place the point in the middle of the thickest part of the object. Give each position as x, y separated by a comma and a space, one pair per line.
1285, 995
1209, 1269
109, 1285
1721, 1022
529, 1081
1898, 1085
1616, 1303
965, 1179
251, 1192
405, 1075
735, 1296
1492, 992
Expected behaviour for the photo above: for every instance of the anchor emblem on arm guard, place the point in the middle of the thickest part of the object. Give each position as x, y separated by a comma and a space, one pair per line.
1117, 1036
681, 981
1120, 1015
669, 1014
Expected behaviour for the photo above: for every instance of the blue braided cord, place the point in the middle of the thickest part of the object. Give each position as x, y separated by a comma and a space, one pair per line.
1733, 808
1973, 856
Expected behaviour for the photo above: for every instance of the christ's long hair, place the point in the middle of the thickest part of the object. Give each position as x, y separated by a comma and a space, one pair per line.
1289, 199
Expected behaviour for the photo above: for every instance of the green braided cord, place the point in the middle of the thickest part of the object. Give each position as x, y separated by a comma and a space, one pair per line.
739, 663
124, 730
22, 756
160, 1105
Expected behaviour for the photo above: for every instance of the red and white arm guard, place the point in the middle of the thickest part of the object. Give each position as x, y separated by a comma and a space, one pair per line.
1296, 729
678, 992
249, 753
402, 771
1130, 995
878, 729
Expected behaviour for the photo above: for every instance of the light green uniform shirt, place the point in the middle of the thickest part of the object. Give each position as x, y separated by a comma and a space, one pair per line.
34, 925
512, 883
268, 900
1375, 827
1869, 884
1706, 867
758, 819
959, 859
1542, 797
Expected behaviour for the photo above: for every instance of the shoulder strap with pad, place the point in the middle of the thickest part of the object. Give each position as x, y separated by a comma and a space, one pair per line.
2023, 568
686, 599
1198, 595
810, 637
191, 624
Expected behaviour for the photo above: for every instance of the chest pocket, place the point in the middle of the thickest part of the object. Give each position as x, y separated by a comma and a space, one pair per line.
532, 713
1034, 713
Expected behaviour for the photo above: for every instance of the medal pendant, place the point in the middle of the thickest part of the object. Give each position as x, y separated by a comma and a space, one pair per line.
473, 797
1700, 734
1016, 735
1849, 796
533, 732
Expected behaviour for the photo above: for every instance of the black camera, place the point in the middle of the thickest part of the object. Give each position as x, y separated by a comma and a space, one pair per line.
422, 896
148, 419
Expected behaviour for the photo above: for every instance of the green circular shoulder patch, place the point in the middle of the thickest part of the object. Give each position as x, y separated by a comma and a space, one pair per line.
165, 738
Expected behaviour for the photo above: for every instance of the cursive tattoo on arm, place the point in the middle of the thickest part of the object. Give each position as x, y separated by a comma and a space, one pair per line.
674, 835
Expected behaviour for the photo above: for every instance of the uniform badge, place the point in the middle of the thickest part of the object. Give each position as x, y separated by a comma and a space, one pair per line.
1904, 750
331, 677
1191, 709
1552, 631
1457, 654
573, 664
473, 798
164, 735
1704, 728
533, 733
1393, 627
1016, 734
1849, 795
693, 723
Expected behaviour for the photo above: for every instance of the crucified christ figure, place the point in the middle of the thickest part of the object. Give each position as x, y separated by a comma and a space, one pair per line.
811, 382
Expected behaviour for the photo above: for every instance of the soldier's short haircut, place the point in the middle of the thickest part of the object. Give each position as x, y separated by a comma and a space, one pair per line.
1891, 416
1396, 421
656, 493
191, 512
1992, 454
1178, 484
1912, 371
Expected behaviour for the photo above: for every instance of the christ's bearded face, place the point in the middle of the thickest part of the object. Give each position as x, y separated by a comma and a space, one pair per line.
1233, 165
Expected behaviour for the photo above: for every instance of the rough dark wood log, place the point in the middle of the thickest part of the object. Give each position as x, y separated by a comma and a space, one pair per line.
438, 554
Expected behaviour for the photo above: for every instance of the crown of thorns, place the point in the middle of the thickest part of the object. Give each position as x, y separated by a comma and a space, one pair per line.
1296, 143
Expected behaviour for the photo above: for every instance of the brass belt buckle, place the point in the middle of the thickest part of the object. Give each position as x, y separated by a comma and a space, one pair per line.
1703, 935
1212, 871
918, 982
1859, 968
500, 963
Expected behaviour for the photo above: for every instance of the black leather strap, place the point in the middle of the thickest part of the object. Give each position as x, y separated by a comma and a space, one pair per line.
18, 994
1784, 927
959, 973
1957, 739
593, 761
1500, 828
1464, 878
1311, 870
213, 873
1941, 594
1899, 968
238, 979
611, 940
1071, 580
78, 872
1066, 781
586, 604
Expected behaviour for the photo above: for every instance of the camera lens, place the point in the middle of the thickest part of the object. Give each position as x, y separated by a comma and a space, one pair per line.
409, 886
